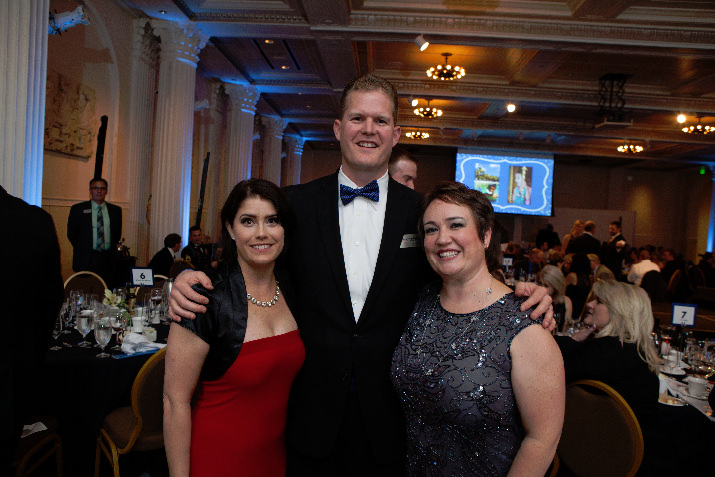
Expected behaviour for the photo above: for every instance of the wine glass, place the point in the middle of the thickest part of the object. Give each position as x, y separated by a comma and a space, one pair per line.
56, 331
84, 326
66, 314
102, 333
118, 322
157, 297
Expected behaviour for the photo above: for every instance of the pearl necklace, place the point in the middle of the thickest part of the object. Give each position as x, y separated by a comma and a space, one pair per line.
264, 303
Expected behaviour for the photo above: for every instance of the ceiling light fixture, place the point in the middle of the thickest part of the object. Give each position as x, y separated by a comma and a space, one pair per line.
446, 72
421, 42
511, 107
413, 101
698, 128
681, 118
417, 135
428, 113
626, 148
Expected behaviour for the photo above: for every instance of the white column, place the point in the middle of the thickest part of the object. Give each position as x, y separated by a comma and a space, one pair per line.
23, 78
273, 148
239, 137
145, 54
208, 135
171, 168
294, 155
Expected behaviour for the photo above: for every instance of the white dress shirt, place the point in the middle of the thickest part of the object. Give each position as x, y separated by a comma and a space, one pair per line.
361, 223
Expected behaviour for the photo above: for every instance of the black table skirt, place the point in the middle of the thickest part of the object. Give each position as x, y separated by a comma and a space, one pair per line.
81, 389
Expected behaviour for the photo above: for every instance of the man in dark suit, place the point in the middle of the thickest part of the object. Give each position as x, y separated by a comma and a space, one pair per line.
358, 264
94, 228
196, 253
162, 260
585, 243
31, 293
614, 252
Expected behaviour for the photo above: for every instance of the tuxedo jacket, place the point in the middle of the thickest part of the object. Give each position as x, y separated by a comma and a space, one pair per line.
584, 243
611, 256
161, 262
340, 352
31, 293
79, 231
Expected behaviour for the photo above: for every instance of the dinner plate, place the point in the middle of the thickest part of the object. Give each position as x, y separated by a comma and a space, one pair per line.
670, 400
685, 391
672, 371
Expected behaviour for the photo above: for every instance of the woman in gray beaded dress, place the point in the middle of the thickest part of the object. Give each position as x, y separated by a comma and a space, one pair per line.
482, 389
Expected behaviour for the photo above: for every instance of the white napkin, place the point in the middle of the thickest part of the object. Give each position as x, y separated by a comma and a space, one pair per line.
28, 429
137, 343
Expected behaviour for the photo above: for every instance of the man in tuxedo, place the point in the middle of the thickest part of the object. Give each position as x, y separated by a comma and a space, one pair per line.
31, 293
403, 167
613, 252
585, 243
357, 264
196, 253
94, 228
162, 261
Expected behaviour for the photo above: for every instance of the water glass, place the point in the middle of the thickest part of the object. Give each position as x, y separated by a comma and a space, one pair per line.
84, 326
66, 314
102, 333
118, 321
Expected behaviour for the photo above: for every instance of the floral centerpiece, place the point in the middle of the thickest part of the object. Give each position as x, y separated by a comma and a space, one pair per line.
116, 301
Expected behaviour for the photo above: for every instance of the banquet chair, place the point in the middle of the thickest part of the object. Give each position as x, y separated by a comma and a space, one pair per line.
601, 435
655, 286
36, 448
138, 427
674, 289
178, 267
88, 282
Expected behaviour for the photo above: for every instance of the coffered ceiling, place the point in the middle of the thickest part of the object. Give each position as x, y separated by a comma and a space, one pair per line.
544, 56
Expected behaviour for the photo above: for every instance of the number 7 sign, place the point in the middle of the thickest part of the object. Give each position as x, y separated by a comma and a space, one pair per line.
684, 314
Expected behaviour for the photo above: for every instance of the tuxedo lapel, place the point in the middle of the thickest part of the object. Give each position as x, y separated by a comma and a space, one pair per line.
326, 209
392, 232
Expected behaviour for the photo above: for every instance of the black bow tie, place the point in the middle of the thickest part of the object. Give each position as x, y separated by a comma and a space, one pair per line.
370, 191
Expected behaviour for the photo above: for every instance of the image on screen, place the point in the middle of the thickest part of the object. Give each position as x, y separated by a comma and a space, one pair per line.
514, 185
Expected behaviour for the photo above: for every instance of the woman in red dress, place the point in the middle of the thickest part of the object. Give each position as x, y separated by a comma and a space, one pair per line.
229, 372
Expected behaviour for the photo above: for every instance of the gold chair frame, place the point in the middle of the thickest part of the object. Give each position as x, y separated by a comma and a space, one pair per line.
104, 440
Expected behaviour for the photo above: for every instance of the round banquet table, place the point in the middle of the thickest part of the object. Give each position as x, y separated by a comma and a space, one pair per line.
81, 389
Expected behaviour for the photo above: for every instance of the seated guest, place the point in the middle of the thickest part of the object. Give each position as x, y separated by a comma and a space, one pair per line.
707, 265
598, 270
670, 264
643, 266
162, 261
578, 283
529, 266
554, 281
196, 252
617, 349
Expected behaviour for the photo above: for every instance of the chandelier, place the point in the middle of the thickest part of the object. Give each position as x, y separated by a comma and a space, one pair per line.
417, 135
428, 113
630, 148
446, 72
698, 128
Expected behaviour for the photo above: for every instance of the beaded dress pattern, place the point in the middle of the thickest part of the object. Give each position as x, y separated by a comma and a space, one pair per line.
453, 374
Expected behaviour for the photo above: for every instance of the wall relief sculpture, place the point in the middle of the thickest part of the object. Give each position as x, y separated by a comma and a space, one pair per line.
71, 124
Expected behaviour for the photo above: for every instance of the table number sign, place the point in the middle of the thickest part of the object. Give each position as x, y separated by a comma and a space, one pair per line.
507, 261
684, 314
142, 277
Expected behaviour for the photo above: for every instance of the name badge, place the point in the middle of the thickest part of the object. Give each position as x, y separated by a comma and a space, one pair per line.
87, 211
410, 241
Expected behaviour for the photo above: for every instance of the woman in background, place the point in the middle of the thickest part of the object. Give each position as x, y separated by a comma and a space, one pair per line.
554, 281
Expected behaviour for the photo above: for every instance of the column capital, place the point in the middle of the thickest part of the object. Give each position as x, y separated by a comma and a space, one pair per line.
180, 41
274, 126
242, 97
295, 143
